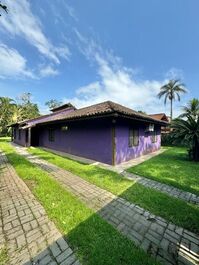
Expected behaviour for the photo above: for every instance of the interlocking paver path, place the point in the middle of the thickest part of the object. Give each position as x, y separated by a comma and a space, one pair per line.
167, 242
170, 190
25, 229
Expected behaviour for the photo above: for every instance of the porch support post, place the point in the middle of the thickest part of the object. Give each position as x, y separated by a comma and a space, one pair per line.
113, 144
29, 136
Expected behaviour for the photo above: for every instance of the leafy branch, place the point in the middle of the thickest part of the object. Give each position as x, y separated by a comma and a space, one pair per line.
4, 7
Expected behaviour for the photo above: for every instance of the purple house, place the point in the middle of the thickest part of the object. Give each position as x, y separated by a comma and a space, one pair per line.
105, 132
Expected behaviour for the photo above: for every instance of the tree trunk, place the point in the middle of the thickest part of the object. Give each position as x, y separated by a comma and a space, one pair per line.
171, 109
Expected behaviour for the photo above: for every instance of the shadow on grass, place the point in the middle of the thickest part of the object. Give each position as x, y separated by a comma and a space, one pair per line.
96, 242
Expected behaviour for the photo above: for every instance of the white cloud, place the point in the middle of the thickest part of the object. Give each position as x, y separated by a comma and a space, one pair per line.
48, 70
115, 82
13, 64
118, 84
20, 21
70, 10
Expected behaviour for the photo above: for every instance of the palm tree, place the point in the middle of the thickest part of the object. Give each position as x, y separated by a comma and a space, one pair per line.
191, 109
187, 131
17, 114
170, 91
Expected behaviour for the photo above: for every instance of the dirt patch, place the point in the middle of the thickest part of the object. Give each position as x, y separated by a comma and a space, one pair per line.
30, 183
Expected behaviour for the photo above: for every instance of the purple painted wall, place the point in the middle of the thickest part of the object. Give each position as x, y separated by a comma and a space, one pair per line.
124, 152
93, 139
90, 139
21, 141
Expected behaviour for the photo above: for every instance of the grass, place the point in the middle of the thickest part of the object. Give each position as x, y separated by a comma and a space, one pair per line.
93, 239
171, 167
173, 210
3, 256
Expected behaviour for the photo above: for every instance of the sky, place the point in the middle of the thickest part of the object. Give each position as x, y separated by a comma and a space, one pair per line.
86, 52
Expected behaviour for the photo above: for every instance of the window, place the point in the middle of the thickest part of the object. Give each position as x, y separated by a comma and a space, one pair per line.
19, 134
51, 135
133, 137
154, 137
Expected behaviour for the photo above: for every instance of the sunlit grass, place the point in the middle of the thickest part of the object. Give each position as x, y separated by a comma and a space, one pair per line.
3, 256
171, 167
92, 238
173, 210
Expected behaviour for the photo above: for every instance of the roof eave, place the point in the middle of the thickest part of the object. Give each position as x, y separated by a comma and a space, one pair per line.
148, 120
105, 115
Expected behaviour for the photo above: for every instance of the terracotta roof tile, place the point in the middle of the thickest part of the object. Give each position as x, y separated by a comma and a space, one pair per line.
159, 116
107, 107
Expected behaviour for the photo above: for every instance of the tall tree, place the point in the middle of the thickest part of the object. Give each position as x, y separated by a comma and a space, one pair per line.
12, 111
187, 131
6, 111
192, 109
53, 103
171, 91
17, 114
29, 109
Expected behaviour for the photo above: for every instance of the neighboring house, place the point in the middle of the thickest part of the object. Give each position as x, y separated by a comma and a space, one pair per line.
162, 117
105, 132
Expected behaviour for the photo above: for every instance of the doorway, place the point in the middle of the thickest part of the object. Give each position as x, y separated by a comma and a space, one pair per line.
34, 136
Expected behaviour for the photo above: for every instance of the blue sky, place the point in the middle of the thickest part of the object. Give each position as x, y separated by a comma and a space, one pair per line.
90, 51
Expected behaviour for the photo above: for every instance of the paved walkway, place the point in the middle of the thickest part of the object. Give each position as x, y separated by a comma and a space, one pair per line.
117, 168
170, 190
25, 230
165, 241
131, 163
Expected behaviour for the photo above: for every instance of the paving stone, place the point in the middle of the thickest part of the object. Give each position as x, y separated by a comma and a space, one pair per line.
173, 192
27, 239
152, 233
55, 249
62, 244
64, 255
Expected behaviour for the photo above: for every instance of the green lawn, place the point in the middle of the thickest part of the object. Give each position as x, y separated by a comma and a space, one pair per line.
174, 210
171, 167
93, 239
3, 256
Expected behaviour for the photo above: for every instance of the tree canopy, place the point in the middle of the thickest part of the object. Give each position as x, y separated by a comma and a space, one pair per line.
187, 131
171, 91
53, 103
191, 109
15, 110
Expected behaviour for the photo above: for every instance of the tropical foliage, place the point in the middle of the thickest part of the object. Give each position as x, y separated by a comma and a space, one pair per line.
192, 109
53, 103
12, 111
171, 92
186, 128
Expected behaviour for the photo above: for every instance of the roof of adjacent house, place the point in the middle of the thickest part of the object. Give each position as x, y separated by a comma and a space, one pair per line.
101, 109
64, 106
160, 116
